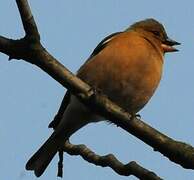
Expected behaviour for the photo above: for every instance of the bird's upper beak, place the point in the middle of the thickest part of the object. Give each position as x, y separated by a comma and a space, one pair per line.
168, 44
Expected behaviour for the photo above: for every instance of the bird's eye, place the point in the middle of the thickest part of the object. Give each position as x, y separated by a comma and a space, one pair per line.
156, 33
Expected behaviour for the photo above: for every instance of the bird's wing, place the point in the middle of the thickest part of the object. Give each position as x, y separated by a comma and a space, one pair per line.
61, 110
103, 44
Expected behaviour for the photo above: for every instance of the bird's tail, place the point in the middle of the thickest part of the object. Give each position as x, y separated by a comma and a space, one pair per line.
41, 159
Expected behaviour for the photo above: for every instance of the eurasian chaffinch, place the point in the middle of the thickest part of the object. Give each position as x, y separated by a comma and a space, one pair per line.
125, 66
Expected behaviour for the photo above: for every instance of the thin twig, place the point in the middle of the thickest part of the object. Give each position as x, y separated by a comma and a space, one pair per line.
60, 164
131, 168
28, 21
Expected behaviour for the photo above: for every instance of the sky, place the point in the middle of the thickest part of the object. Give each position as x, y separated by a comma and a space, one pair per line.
70, 30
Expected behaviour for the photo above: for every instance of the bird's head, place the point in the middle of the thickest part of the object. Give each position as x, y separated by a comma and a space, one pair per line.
156, 30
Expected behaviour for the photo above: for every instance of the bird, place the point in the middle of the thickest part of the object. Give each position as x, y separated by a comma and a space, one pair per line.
127, 67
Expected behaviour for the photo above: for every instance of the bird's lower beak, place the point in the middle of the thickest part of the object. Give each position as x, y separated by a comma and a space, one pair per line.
168, 44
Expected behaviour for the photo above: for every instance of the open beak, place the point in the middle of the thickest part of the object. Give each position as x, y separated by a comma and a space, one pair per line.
168, 44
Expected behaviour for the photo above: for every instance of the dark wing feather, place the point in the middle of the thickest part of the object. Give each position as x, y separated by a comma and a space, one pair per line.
102, 44
61, 110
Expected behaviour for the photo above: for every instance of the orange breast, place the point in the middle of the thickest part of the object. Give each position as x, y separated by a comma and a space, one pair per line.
128, 71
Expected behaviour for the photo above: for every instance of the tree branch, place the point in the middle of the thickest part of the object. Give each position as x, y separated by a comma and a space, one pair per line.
30, 49
111, 161
29, 24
